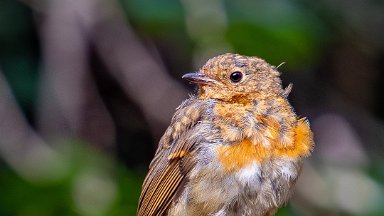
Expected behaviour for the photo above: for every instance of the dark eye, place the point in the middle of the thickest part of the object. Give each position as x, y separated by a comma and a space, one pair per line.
236, 76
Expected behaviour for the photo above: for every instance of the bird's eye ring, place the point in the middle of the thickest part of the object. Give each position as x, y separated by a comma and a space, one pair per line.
236, 76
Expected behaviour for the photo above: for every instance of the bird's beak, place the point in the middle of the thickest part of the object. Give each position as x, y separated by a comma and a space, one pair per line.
198, 78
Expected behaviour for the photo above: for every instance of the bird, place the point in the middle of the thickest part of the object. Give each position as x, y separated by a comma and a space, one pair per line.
235, 147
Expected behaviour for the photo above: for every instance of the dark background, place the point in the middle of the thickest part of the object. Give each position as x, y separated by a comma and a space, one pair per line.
87, 87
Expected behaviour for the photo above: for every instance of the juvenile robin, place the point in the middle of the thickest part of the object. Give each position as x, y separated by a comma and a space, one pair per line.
236, 148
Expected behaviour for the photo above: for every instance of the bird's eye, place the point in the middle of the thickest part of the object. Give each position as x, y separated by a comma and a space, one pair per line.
236, 76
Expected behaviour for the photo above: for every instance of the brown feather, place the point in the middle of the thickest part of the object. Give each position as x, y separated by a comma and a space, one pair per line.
171, 163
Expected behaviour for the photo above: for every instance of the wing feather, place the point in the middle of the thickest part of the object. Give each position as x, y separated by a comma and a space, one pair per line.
168, 170
162, 193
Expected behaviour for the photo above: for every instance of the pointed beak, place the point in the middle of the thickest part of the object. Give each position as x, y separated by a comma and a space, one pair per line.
198, 78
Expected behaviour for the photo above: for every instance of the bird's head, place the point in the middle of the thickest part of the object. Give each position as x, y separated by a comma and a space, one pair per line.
236, 78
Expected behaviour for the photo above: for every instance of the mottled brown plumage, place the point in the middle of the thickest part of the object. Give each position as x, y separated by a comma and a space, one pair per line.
234, 149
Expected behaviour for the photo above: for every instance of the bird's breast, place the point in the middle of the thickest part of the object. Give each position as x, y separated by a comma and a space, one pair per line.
234, 157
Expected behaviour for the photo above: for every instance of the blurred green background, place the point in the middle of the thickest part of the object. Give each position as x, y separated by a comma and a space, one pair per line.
88, 87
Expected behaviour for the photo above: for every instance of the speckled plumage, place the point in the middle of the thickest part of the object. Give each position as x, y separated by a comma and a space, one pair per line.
234, 149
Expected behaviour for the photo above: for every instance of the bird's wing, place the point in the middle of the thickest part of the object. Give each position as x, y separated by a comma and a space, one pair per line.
172, 161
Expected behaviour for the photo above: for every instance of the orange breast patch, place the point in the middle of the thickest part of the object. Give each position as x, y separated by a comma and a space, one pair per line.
303, 142
236, 156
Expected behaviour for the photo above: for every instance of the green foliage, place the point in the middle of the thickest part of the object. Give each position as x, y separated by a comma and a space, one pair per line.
115, 190
285, 211
18, 51
275, 30
155, 17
